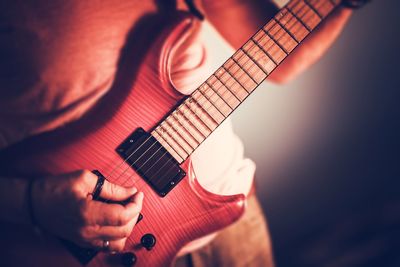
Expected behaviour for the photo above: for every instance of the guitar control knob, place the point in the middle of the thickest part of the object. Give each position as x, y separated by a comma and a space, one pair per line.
128, 259
148, 241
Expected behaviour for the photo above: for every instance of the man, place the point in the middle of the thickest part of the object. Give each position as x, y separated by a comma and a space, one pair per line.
58, 58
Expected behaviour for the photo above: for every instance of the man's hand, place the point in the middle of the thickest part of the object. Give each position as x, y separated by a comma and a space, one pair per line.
64, 206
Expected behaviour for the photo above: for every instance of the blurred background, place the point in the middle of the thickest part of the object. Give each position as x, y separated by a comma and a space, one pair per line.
327, 149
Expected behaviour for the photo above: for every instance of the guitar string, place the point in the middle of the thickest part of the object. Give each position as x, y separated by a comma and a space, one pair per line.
130, 239
149, 138
242, 67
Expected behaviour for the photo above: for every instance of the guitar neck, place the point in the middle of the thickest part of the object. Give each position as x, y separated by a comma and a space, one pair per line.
198, 115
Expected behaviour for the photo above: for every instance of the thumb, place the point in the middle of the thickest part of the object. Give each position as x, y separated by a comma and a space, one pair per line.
114, 192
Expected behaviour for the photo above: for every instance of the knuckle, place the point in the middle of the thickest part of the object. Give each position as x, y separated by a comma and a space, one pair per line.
126, 231
123, 218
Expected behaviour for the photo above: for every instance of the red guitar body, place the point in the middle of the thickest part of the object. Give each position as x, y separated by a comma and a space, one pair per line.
187, 212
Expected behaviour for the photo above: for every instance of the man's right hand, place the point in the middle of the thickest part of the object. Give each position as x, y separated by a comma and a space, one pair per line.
63, 205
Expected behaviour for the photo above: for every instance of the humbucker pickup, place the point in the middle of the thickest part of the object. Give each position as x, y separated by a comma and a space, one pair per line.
151, 161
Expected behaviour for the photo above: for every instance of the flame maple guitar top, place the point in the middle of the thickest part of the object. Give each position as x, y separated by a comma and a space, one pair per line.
141, 100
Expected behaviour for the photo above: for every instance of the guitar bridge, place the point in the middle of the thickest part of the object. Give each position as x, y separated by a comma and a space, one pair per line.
151, 161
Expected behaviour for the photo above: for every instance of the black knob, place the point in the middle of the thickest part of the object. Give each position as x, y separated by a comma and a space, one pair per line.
128, 259
148, 241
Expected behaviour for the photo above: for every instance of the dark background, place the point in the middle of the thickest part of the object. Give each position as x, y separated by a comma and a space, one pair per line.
327, 149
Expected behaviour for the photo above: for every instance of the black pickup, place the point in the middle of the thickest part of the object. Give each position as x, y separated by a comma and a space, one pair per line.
151, 161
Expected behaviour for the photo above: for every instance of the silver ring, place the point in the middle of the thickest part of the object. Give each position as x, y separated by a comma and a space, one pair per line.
106, 244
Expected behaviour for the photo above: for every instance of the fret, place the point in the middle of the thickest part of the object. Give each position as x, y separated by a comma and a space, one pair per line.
251, 67
227, 91
190, 123
232, 84
288, 31
161, 133
268, 59
269, 45
240, 74
313, 9
282, 37
241, 66
220, 94
215, 114
179, 133
253, 59
305, 14
304, 30
208, 106
322, 7
189, 137
216, 99
170, 150
293, 25
172, 137
230, 74
202, 121
275, 41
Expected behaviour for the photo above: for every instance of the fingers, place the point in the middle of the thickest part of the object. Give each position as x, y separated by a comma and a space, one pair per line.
115, 214
115, 192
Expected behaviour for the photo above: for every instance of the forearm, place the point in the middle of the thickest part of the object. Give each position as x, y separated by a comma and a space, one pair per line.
13, 207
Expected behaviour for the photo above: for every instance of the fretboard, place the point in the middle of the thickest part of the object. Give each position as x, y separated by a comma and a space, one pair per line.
184, 129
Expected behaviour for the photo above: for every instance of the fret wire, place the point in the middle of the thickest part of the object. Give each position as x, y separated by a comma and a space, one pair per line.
181, 124
223, 83
276, 42
313, 9
266, 53
234, 82
323, 6
299, 20
200, 119
161, 135
242, 67
172, 137
179, 133
252, 68
235, 78
203, 109
211, 103
251, 48
197, 103
251, 59
299, 29
155, 132
213, 89
286, 30
255, 61
278, 38
189, 120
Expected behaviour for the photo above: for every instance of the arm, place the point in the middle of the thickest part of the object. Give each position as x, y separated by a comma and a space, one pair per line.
81, 219
237, 20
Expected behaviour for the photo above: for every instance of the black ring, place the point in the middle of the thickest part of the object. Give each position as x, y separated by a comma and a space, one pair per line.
99, 186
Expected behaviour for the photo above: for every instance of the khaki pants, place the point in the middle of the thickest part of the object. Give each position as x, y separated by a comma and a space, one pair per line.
244, 243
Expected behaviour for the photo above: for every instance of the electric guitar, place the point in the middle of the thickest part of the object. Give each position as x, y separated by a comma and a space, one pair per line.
144, 136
